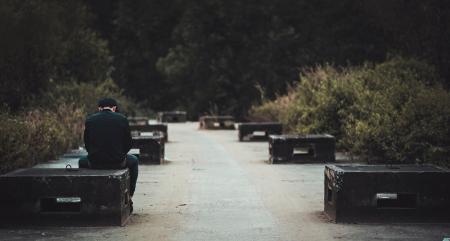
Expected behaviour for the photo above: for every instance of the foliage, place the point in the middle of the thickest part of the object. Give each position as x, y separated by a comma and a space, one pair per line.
318, 104
86, 95
219, 56
211, 54
13, 152
222, 50
53, 123
393, 111
43, 41
272, 110
398, 116
205, 55
141, 33
38, 135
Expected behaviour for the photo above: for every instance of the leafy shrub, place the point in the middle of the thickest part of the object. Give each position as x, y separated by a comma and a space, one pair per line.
53, 124
38, 135
86, 95
14, 150
402, 115
394, 111
319, 104
44, 40
324, 97
271, 110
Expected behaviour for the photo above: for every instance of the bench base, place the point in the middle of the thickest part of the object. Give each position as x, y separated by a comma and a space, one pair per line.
247, 130
54, 196
301, 148
159, 129
379, 193
151, 149
216, 122
172, 117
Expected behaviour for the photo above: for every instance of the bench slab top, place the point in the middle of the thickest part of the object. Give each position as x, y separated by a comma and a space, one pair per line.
177, 112
148, 137
294, 136
56, 172
259, 123
148, 125
411, 168
155, 125
219, 117
137, 118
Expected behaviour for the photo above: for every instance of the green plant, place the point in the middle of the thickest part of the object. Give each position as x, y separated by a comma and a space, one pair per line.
14, 150
53, 123
86, 95
394, 111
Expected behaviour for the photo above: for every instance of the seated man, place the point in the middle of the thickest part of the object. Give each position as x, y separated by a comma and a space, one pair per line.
107, 139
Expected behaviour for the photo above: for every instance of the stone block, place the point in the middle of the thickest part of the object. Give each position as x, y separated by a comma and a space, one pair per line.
387, 193
138, 120
302, 148
151, 149
58, 196
216, 122
258, 130
159, 129
172, 116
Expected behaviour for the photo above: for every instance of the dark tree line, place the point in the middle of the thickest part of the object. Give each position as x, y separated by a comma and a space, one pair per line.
208, 55
42, 42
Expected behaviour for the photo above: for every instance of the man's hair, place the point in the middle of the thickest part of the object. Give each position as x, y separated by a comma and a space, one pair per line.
107, 102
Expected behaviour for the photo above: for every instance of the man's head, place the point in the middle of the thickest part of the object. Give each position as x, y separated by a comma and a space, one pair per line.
107, 104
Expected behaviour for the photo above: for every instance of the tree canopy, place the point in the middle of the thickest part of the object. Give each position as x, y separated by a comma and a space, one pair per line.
207, 55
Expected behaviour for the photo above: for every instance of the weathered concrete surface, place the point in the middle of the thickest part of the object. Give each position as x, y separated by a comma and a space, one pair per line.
150, 128
172, 116
312, 148
92, 197
151, 149
216, 122
247, 130
216, 188
401, 193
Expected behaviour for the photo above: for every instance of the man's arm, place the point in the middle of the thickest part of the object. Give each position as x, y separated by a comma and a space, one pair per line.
128, 139
86, 137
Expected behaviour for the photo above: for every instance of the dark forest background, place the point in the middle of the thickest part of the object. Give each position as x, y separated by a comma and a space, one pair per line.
207, 56
374, 73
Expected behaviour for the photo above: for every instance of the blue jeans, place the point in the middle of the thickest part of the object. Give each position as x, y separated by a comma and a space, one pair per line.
132, 165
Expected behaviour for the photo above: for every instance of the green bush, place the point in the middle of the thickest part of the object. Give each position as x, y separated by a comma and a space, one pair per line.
14, 150
271, 110
53, 123
45, 40
324, 98
404, 119
394, 111
319, 104
38, 135
86, 95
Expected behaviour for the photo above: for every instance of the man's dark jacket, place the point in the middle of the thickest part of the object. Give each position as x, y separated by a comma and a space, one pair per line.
107, 139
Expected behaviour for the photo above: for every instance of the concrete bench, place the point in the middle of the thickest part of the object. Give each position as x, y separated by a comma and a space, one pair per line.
302, 148
151, 149
216, 122
258, 130
137, 130
80, 152
138, 120
55, 196
76, 153
401, 193
172, 116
